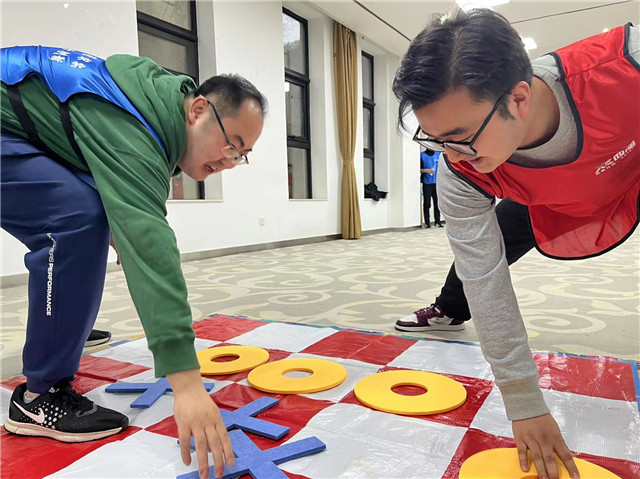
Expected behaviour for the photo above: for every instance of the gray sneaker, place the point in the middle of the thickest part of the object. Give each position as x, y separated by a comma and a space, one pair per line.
431, 318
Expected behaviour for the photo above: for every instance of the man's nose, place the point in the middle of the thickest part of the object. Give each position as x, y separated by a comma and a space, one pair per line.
227, 163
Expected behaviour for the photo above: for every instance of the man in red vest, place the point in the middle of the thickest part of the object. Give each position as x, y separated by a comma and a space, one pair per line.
557, 141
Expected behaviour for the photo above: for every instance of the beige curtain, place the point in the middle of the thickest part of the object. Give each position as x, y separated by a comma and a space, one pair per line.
345, 62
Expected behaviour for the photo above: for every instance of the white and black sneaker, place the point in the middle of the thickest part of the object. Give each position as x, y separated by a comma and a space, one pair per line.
431, 318
62, 414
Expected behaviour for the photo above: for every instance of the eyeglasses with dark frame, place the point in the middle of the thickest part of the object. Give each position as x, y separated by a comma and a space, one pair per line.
229, 151
464, 147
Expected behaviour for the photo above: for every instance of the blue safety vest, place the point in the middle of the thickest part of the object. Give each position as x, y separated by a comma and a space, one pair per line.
66, 73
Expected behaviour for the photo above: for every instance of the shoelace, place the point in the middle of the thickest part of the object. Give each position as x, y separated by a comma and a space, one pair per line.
69, 395
429, 308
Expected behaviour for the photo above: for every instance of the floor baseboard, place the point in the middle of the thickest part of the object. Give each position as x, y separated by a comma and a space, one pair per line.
21, 279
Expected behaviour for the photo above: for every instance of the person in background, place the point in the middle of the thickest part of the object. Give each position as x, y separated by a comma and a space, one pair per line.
428, 173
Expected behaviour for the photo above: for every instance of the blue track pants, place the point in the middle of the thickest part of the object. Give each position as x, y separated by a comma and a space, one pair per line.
59, 217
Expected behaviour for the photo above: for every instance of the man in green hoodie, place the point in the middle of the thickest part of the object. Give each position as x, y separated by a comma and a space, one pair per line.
88, 150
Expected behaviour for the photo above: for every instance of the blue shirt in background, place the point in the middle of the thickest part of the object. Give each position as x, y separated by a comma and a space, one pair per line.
429, 162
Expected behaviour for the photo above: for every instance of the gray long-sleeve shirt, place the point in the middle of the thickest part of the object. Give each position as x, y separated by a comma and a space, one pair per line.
481, 265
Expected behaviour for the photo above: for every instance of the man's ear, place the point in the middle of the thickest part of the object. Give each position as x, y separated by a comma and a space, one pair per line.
197, 108
520, 97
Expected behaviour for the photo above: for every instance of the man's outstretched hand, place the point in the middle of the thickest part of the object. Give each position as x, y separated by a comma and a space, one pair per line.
541, 435
197, 415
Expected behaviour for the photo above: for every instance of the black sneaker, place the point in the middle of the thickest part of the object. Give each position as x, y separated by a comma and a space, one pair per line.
97, 337
429, 319
62, 414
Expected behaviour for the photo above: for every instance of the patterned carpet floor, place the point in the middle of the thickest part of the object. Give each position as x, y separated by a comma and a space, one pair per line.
587, 307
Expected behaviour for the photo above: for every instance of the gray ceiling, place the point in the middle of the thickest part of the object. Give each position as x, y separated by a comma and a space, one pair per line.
392, 24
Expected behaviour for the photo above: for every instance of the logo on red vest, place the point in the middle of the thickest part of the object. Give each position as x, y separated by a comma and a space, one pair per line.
616, 158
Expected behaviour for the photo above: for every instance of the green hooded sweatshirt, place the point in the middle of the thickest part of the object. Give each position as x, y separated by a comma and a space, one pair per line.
132, 175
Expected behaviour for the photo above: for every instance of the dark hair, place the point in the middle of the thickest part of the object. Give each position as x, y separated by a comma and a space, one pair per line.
228, 93
477, 50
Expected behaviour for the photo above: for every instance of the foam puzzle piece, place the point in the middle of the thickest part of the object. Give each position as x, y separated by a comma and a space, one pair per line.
442, 393
247, 357
503, 463
242, 418
270, 377
151, 392
262, 464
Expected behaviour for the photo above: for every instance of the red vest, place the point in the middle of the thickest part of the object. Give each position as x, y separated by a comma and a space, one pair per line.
590, 205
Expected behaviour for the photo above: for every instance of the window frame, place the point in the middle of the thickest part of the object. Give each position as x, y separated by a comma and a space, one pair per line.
302, 80
174, 33
369, 104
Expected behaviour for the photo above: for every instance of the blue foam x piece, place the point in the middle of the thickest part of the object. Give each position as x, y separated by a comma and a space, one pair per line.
262, 464
151, 391
242, 418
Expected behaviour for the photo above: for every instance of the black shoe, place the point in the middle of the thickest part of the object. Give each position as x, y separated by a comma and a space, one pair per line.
439, 225
427, 225
62, 414
97, 337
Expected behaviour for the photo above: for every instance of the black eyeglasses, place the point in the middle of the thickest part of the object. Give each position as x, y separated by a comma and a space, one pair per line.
229, 151
464, 147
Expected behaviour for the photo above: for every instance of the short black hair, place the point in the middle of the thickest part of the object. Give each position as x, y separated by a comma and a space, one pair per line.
477, 50
228, 92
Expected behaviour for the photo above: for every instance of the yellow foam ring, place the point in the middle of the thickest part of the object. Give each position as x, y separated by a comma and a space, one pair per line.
443, 393
503, 463
248, 358
270, 377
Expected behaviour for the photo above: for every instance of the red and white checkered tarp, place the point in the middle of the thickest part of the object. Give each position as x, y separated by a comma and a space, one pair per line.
594, 400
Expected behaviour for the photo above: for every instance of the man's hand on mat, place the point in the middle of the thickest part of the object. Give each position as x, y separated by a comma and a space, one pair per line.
541, 435
197, 415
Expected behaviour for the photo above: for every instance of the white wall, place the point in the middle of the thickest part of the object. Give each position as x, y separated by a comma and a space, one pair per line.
246, 38
98, 28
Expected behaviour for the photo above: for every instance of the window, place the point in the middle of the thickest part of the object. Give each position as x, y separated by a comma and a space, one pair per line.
296, 92
367, 118
167, 34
